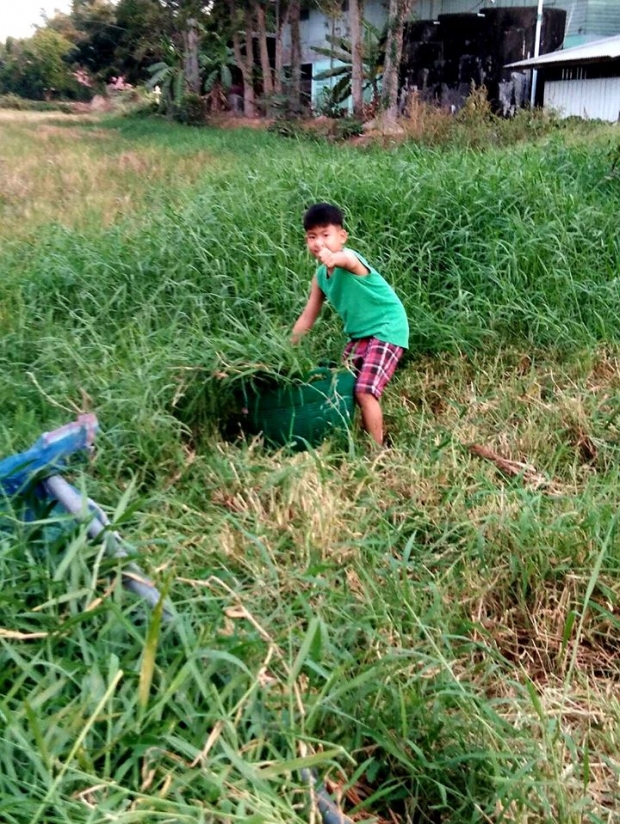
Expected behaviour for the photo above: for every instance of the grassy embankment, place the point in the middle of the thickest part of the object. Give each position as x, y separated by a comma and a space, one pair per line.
444, 637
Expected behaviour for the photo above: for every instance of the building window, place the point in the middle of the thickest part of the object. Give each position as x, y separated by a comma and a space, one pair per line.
344, 5
306, 84
304, 14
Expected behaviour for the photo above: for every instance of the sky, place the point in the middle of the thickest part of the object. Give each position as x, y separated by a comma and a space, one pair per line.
18, 16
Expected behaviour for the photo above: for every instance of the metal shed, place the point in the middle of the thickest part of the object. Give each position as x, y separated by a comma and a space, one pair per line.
583, 81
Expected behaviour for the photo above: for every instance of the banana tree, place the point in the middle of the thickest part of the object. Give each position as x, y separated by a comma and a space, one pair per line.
217, 60
341, 51
170, 77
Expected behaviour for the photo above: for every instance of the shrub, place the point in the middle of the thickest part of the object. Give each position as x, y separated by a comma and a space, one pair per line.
191, 110
426, 122
329, 105
13, 101
332, 130
475, 126
279, 106
289, 128
345, 128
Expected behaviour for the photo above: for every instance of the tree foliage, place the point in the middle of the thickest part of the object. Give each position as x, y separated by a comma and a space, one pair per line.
201, 46
37, 67
145, 31
96, 37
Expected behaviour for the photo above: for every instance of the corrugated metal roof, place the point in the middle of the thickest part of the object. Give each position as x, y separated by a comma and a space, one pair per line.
606, 49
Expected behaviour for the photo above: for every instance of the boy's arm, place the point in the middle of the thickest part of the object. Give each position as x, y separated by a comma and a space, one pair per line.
306, 320
345, 259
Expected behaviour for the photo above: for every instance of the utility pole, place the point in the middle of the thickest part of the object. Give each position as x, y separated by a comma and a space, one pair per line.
539, 19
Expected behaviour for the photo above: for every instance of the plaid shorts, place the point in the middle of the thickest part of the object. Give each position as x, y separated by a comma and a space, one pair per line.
374, 361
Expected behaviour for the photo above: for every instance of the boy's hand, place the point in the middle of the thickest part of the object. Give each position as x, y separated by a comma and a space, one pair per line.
327, 257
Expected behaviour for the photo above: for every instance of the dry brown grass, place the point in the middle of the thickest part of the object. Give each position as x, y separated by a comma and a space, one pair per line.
528, 620
59, 169
426, 122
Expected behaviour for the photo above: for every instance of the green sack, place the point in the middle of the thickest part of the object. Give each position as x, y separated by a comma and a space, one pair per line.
303, 413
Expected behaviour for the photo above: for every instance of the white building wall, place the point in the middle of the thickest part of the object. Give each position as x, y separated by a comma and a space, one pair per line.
314, 30
596, 99
317, 27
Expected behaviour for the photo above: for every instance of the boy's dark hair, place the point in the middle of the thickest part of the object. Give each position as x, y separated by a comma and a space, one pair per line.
323, 214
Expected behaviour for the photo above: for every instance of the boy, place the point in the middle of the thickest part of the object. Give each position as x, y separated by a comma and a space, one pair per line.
373, 316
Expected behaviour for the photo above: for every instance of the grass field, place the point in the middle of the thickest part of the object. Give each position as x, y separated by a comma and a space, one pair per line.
434, 627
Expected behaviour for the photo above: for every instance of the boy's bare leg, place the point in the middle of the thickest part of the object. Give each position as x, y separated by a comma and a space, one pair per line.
372, 416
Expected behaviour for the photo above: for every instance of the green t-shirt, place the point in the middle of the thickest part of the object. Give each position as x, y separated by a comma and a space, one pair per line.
367, 304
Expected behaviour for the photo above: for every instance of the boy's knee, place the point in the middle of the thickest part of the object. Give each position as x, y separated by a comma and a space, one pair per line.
365, 398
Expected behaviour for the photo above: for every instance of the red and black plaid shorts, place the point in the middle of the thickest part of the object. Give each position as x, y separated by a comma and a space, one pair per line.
374, 362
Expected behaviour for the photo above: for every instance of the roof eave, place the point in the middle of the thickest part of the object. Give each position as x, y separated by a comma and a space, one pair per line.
533, 63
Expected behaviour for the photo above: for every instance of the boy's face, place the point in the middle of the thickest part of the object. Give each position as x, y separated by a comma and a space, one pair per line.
331, 237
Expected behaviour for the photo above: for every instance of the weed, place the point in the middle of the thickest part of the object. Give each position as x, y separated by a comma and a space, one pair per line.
12, 101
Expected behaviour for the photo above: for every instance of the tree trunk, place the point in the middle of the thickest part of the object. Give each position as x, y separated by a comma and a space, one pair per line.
245, 63
264, 53
398, 11
191, 69
249, 98
357, 66
295, 92
281, 23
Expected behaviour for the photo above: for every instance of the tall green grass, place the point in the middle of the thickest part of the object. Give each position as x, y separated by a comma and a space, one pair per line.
434, 636
485, 249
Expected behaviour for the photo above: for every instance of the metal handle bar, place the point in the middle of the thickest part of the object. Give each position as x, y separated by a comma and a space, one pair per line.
133, 577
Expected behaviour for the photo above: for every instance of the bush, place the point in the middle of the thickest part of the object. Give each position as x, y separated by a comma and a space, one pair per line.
191, 110
475, 126
289, 128
330, 105
527, 124
345, 128
427, 123
279, 106
332, 130
12, 101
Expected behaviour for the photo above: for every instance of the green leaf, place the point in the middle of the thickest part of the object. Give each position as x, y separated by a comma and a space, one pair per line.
226, 75
568, 629
159, 78
71, 553
179, 87
336, 72
342, 90
148, 658
333, 55
209, 82
339, 43
156, 67
308, 644
296, 764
